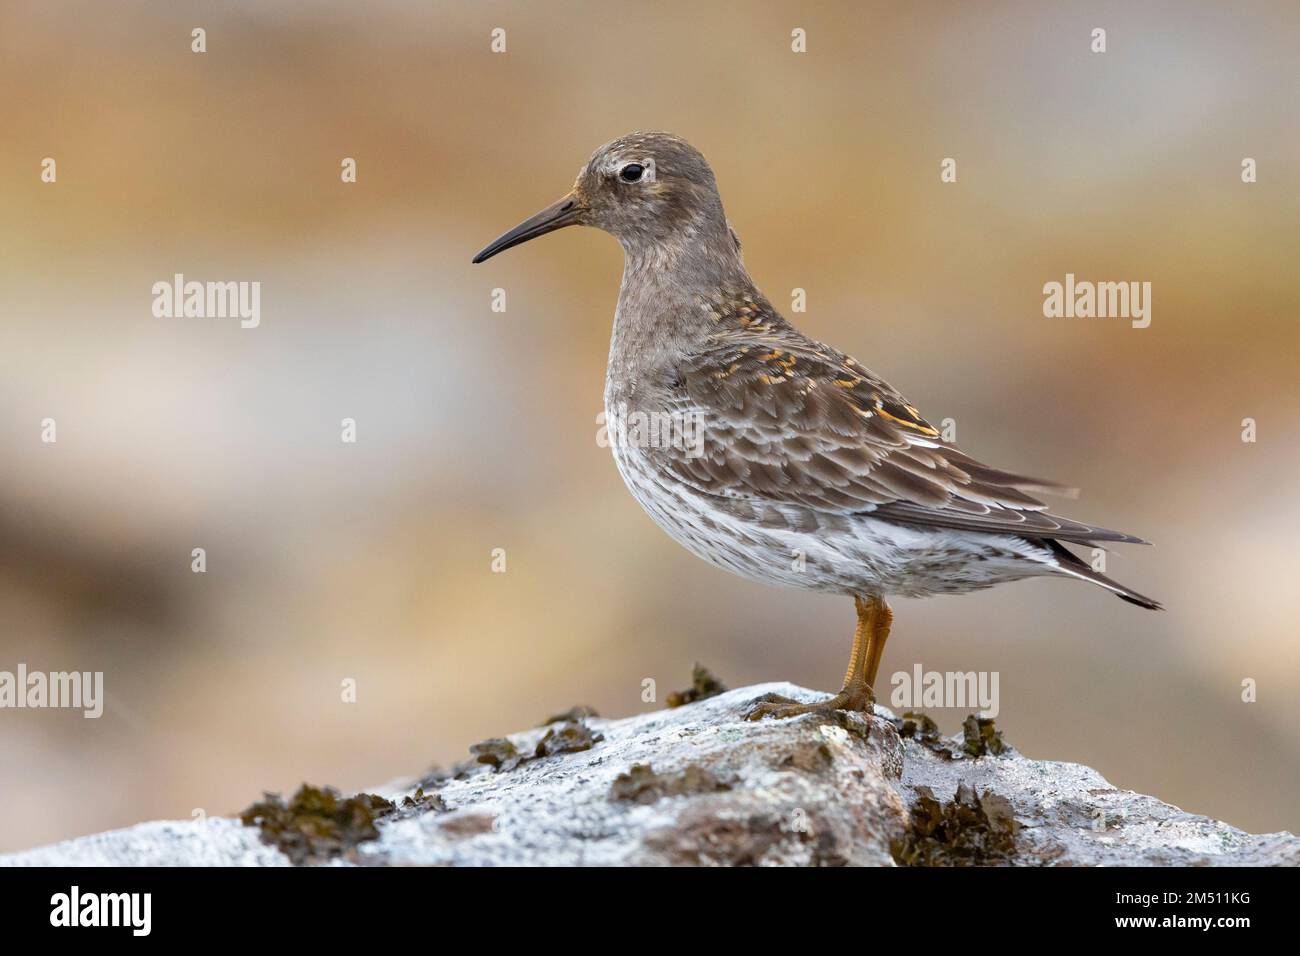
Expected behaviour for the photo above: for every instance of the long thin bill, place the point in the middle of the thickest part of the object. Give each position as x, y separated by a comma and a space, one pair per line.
559, 214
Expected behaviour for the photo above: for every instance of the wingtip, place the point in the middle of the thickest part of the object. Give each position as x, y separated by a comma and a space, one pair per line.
1140, 601
1058, 491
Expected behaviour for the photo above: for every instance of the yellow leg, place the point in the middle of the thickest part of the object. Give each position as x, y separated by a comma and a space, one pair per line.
884, 620
874, 621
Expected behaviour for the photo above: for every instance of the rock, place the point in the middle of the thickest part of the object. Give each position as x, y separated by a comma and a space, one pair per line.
216, 841
698, 785
1069, 815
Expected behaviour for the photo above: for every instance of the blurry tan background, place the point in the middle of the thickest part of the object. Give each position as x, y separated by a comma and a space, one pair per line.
477, 430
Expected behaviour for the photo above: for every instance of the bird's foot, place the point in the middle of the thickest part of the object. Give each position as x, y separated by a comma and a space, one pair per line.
774, 705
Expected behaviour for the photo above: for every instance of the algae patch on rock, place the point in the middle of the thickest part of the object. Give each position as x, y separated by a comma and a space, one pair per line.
498, 753
570, 737
565, 737
577, 712
922, 729
982, 737
415, 804
703, 686
641, 784
318, 823
968, 830
699, 785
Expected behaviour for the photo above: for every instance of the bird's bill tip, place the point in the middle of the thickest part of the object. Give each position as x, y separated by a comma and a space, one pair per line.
565, 211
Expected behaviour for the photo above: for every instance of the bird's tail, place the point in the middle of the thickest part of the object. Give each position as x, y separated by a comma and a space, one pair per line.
1074, 566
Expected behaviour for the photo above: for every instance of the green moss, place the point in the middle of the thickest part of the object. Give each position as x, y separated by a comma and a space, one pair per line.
968, 830
641, 784
703, 686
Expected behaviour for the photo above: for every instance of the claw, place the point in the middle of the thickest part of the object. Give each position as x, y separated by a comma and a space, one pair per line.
782, 708
772, 705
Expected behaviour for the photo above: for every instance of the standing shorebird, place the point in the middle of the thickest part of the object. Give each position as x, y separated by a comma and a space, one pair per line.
809, 471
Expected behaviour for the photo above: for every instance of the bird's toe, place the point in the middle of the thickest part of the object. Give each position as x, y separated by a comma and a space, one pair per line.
769, 705
859, 699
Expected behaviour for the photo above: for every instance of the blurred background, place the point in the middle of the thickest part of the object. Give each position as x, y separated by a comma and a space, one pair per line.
477, 430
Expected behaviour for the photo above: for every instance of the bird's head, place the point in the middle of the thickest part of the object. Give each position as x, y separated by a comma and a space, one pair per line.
648, 190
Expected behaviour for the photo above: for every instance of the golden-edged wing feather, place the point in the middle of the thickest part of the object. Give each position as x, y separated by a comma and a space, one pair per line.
788, 421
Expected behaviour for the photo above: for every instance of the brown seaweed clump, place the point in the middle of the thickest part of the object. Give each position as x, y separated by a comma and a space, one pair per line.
569, 737
980, 736
415, 804
703, 686
577, 712
642, 784
318, 823
968, 830
498, 753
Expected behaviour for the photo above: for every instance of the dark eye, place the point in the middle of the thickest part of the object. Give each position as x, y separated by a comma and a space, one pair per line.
632, 172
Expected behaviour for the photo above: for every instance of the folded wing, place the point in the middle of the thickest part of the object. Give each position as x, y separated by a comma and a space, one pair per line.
788, 421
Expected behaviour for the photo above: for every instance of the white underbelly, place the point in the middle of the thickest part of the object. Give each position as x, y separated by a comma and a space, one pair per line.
853, 554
